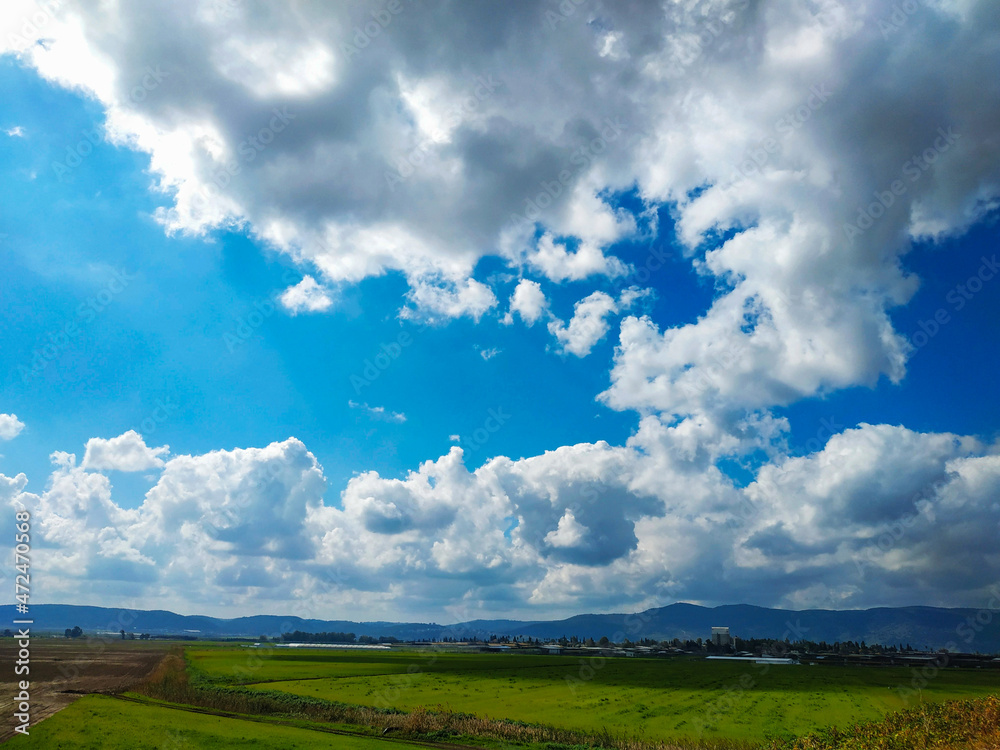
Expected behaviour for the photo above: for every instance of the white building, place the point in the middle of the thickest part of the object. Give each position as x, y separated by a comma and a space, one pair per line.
720, 636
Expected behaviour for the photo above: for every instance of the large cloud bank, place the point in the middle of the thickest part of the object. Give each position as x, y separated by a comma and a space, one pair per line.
802, 148
880, 516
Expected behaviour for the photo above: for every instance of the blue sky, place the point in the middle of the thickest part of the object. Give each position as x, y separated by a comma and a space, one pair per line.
684, 346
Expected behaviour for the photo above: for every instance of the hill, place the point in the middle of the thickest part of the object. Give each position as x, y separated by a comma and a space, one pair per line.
921, 627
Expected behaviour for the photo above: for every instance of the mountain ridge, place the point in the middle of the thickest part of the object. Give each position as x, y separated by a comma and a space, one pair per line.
918, 625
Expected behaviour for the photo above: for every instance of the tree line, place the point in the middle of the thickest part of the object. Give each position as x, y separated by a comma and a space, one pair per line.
300, 636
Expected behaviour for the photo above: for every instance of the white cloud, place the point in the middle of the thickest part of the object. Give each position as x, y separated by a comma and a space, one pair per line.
435, 300
878, 505
778, 136
589, 323
880, 516
568, 533
401, 160
528, 301
127, 452
557, 263
15, 132
10, 426
490, 353
306, 296
379, 412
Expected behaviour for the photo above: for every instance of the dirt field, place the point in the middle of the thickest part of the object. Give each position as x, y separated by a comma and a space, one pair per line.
62, 670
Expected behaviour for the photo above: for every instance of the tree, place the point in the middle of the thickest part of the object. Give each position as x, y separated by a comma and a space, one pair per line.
76, 632
122, 631
604, 640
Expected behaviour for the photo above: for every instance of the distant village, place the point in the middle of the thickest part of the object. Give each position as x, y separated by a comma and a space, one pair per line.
719, 645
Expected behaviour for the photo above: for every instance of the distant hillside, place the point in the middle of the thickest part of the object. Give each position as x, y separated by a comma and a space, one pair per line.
920, 627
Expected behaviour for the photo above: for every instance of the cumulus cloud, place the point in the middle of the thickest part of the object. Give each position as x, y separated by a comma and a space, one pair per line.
801, 150
10, 426
587, 326
881, 511
15, 132
436, 300
557, 263
127, 452
784, 128
528, 301
306, 296
589, 323
880, 515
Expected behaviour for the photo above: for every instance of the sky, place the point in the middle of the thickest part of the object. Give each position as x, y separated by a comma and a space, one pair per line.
440, 311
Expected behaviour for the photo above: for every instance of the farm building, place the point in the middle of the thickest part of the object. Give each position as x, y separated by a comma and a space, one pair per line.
720, 636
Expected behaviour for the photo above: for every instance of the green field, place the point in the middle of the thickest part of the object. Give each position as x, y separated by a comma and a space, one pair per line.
661, 698
224, 696
97, 722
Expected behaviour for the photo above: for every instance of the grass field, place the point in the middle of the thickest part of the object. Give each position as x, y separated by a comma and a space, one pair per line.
98, 722
662, 699
221, 696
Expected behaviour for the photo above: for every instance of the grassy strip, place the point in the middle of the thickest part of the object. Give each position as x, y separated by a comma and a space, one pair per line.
972, 724
99, 722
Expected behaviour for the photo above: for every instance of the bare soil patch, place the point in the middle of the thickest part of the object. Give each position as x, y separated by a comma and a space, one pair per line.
62, 670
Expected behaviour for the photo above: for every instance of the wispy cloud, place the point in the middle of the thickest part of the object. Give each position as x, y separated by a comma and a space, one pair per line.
379, 412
